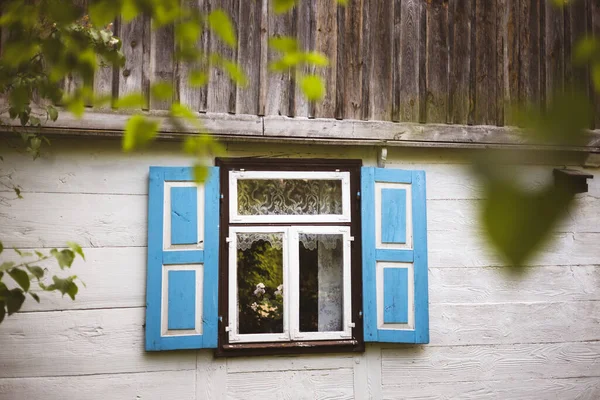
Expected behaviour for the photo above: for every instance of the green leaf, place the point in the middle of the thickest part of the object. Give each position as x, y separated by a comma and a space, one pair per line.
1, 247
36, 271
35, 297
2, 311
596, 75
129, 10
52, 113
103, 12
313, 87
284, 44
200, 173
20, 277
235, 73
76, 248
64, 257
76, 106
317, 59
134, 100
162, 91
6, 265
281, 6
14, 300
64, 286
34, 121
585, 49
139, 130
39, 254
221, 24
198, 78
18, 192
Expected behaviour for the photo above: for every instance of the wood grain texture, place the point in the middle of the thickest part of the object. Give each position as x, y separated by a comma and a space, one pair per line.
86, 342
305, 21
534, 389
147, 386
134, 76
381, 14
555, 51
162, 63
529, 51
437, 61
511, 27
307, 385
326, 43
249, 56
409, 60
186, 94
349, 60
290, 363
279, 89
221, 89
460, 65
211, 376
490, 363
486, 64
595, 16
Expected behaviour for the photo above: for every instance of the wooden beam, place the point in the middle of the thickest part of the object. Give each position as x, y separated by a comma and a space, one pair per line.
242, 127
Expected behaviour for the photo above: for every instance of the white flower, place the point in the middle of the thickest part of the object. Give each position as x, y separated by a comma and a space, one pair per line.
260, 289
254, 306
279, 291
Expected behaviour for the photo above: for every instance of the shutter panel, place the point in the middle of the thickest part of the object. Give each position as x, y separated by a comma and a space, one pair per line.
183, 250
394, 231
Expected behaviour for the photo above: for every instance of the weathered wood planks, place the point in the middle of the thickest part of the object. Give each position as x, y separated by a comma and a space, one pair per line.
461, 62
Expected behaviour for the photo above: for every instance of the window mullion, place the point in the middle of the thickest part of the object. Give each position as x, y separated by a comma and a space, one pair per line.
294, 283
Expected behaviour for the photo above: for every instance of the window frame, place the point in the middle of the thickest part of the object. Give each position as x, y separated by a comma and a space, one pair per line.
326, 342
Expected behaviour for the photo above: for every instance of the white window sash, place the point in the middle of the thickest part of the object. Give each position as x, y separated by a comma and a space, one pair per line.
294, 274
234, 335
291, 285
234, 176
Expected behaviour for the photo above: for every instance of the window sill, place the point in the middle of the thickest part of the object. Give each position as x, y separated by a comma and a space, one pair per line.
281, 348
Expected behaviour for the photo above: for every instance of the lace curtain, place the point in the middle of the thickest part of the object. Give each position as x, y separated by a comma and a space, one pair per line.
309, 240
289, 197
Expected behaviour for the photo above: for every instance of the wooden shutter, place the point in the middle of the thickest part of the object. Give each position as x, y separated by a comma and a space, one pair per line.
183, 250
394, 231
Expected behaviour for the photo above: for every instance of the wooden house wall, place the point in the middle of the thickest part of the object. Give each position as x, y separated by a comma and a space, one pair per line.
427, 61
493, 335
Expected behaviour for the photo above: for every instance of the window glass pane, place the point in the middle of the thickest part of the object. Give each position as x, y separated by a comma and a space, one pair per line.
260, 282
289, 197
321, 282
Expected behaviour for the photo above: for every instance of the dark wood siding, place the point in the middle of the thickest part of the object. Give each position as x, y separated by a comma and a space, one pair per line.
428, 61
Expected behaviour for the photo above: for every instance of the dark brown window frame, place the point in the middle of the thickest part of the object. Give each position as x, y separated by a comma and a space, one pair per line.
356, 344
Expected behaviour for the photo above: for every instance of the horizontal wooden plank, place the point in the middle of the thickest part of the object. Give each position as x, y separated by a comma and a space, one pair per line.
490, 363
445, 215
334, 384
469, 249
290, 363
496, 285
533, 389
306, 130
147, 386
52, 219
86, 342
108, 283
285, 127
479, 324
102, 123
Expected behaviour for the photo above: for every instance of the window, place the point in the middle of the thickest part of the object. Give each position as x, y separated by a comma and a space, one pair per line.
289, 255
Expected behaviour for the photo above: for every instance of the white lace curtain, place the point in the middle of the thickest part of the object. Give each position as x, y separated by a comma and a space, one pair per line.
310, 241
289, 197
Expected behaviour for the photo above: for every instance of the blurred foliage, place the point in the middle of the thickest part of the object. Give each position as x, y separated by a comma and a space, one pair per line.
27, 271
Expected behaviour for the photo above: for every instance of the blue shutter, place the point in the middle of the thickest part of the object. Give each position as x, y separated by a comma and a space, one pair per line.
183, 250
394, 231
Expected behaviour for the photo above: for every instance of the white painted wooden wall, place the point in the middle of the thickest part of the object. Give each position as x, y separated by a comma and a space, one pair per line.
492, 335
